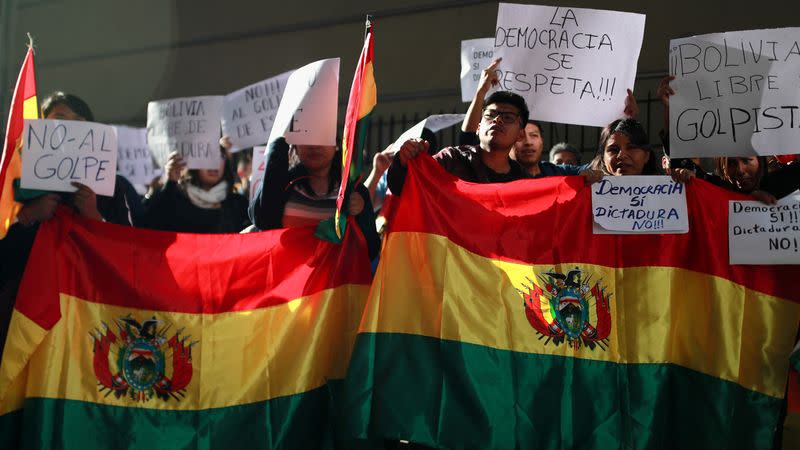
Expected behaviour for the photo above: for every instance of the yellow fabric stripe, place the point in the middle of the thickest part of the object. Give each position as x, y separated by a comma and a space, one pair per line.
659, 314
369, 92
30, 108
240, 357
24, 335
9, 208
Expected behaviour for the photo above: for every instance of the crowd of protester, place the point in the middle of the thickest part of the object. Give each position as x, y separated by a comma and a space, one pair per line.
498, 143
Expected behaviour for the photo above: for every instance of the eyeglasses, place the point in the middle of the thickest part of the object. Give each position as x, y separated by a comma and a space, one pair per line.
506, 116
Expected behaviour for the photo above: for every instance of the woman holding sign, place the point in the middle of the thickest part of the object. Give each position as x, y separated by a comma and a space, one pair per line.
116, 209
196, 201
40, 206
304, 191
749, 174
624, 149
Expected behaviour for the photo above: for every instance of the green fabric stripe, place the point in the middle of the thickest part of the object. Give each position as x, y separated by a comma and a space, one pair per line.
357, 162
293, 422
456, 395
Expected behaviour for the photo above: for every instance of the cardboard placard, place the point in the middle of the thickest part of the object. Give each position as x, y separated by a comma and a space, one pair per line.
57, 152
571, 65
764, 234
307, 113
134, 160
434, 123
736, 93
476, 55
188, 125
249, 113
639, 204
257, 169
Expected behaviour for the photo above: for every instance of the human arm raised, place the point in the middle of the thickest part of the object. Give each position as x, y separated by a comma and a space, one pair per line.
664, 92
380, 164
631, 108
266, 208
488, 79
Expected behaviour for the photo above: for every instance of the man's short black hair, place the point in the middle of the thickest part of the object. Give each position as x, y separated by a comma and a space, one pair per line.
565, 147
536, 122
513, 100
74, 103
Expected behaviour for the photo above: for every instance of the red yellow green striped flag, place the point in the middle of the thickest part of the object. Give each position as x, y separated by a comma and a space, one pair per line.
497, 320
23, 106
363, 98
126, 338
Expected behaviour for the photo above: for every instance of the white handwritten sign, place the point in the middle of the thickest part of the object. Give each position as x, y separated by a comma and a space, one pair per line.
258, 168
134, 160
571, 65
438, 122
248, 114
434, 123
639, 204
764, 234
58, 152
476, 55
190, 126
307, 113
736, 93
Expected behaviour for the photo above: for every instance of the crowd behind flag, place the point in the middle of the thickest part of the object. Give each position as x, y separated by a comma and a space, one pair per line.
132, 338
519, 328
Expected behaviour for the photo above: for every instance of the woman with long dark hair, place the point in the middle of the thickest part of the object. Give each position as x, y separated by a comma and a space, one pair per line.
751, 175
624, 149
748, 175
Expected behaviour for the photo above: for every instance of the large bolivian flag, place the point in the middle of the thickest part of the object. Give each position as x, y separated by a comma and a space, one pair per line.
497, 320
125, 338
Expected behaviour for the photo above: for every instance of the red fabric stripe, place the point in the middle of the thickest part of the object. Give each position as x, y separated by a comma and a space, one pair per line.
388, 208
793, 392
182, 272
25, 88
29, 85
549, 221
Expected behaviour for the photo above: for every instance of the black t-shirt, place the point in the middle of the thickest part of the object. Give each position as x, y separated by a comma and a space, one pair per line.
515, 173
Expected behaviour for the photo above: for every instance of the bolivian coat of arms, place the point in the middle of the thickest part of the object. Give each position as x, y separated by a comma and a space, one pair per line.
141, 352
569, 308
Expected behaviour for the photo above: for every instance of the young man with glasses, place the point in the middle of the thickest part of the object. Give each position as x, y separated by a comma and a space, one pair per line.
502, 124
528, 150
